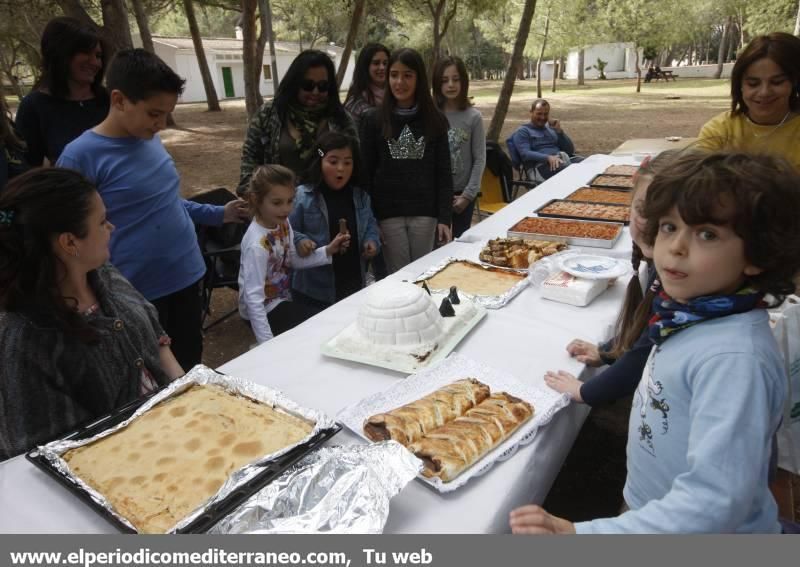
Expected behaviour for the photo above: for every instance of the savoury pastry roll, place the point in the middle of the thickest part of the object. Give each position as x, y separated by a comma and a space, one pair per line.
408, 423
449, 450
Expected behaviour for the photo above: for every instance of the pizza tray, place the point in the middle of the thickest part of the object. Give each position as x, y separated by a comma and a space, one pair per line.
592, 183
241, 484
576, 217
546, 403
572, 240
610, 189
488, 301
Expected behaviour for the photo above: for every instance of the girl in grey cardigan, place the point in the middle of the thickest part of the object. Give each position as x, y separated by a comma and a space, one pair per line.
465, 135
76, 339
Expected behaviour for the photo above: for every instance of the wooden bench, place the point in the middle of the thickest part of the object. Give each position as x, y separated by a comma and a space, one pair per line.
666, 75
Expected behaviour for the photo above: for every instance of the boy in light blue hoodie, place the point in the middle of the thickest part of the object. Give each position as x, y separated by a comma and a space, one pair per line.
726, 245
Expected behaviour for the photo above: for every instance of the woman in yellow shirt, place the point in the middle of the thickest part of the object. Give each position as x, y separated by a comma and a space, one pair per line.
765, 101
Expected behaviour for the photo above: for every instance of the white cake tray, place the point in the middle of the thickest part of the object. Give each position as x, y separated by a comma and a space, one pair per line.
412, 364
546, 403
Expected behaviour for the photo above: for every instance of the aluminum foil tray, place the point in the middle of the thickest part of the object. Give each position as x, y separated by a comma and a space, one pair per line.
241, 484
546, 403
541, 211
572, 240
488, 301
623, 180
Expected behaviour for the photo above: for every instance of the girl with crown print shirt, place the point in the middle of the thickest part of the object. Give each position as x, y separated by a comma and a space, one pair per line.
406, 159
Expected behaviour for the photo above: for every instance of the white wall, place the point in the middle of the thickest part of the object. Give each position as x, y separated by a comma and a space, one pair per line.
185, 64
701, 71
620, 57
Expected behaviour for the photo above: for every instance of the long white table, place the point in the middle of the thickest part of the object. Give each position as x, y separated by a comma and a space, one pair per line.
525, 338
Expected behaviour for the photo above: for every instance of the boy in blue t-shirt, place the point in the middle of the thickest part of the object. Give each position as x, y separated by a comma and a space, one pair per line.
154, 244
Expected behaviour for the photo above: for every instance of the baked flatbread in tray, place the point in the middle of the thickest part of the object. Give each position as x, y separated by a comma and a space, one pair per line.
465, 386
621, 182
180, 460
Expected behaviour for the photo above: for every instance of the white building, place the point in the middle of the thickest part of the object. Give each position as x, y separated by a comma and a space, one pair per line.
224, 56
621, 64
620, 61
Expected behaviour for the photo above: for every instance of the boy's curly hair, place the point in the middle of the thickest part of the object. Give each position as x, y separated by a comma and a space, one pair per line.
763, 193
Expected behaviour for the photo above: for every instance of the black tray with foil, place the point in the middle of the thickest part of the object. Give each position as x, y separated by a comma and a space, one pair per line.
213, 513
540, 212
601, 185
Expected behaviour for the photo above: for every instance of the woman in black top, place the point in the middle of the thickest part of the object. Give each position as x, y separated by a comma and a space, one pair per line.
69, 98
407, 164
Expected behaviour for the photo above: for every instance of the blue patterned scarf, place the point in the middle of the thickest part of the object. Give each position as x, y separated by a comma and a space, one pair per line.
670, 316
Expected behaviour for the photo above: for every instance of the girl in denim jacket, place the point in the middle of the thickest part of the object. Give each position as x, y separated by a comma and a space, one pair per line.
326, 206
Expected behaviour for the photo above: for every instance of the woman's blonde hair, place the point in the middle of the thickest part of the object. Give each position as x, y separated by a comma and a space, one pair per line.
264, 178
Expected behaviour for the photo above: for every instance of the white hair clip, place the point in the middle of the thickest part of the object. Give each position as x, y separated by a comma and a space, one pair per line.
320, 152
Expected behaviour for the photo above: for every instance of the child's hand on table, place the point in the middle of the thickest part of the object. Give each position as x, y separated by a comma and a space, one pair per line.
587, 353
534, 520
565, 383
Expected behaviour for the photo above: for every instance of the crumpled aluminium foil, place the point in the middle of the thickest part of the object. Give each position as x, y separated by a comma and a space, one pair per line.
333, 490
488, 301
200, 375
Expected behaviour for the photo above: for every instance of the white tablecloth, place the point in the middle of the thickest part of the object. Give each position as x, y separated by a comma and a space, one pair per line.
525, 338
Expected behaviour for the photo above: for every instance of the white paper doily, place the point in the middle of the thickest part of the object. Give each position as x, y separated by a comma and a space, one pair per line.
545, 402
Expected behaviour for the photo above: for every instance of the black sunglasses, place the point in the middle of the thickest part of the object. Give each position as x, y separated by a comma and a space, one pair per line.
308, 85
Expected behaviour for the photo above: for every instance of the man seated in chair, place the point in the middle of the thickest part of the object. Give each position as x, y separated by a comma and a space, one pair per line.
543, 146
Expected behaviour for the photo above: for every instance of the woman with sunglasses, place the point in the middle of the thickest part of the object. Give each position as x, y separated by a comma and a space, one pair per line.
284, 130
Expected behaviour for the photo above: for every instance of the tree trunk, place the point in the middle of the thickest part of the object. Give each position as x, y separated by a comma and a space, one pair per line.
266, 21
504, 99
637, 68
358, 9
115, 22
541, 54
733, 42
9, 68
249, 55
556, 71
115, 31
581, 63
723, 48
208, 84
144, 26
797, 21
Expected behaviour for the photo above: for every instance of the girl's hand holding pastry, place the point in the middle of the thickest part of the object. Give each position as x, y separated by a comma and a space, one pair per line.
338, 244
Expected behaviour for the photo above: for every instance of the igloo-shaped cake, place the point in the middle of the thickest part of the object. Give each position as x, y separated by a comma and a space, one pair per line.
402, 327
399, 314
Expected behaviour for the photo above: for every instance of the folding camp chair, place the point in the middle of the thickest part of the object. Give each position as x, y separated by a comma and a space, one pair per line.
221, 248
498, 186
522, 174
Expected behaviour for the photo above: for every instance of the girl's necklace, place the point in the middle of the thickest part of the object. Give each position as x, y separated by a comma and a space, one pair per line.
764, 135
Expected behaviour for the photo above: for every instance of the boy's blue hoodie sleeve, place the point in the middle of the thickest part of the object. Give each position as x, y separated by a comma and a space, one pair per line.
209, 215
